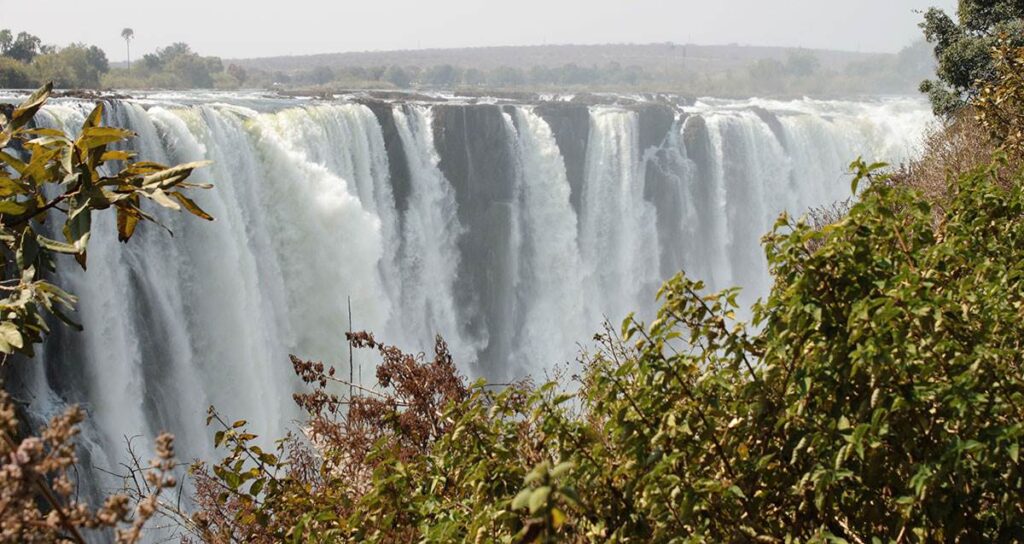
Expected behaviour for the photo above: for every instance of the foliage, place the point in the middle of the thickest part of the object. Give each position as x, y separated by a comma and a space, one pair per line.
15, 75
877, 396
48, 174
257, 496
22, 48
74, 66
723, 71
1000, 104
802, 64
992, 122
25, 62
397, 76
175, 67
127, 34
963, 47
38, 496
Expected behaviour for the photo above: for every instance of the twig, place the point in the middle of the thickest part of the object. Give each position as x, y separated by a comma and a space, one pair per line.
351, 376
44, 489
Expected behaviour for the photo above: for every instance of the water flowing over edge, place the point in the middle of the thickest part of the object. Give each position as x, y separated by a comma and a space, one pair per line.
511, 230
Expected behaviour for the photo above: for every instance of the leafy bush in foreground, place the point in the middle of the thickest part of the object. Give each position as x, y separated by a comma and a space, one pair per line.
47, 174
878, 397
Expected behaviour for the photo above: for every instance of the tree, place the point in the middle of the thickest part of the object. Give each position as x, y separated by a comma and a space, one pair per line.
473, 77
767, 73
963, 48
397, 76
321, 75
6, 40
238, 73
178, 66
1000, 104
75, 66
15, 75
442, 75
152, 62
506, 76
802, 63
24, 47
128, 35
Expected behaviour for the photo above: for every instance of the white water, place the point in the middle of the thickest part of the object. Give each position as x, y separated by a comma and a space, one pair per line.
429, 252
618, 233
307, 217
559, 307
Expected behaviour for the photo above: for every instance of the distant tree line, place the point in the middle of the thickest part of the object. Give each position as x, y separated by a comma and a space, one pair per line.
801, 72
25, 62
176, 66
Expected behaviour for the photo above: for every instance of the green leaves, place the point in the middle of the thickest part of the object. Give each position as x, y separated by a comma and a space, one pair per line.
52, 175
863, 172
26, 111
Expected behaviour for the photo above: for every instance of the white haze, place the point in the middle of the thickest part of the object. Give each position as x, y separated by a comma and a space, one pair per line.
245, 29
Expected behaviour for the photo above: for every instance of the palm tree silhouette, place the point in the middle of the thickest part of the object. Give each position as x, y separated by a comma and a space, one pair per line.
128, 35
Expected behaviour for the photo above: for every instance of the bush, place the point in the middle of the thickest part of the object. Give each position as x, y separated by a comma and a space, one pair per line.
1000, 104
15, 75
878, 394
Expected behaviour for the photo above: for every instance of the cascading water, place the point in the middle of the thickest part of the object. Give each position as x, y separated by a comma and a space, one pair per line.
618, 228
558, 308
429, 256
511, 230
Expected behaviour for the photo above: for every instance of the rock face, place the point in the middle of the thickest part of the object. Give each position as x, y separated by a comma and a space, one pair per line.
664, 170
663, 187
477, 158
774, 125
398, 168
655, 121
570, 124
701, 153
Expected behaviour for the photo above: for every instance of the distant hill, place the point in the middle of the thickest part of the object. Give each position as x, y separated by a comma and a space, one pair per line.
655, 56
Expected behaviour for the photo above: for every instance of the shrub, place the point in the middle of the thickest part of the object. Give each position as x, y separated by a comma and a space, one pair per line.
877, 396
1000, 104
15, 75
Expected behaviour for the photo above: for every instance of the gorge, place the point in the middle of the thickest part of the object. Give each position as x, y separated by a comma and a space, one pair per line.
512, 227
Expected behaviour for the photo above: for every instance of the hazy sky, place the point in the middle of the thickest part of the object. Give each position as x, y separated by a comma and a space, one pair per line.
247, 28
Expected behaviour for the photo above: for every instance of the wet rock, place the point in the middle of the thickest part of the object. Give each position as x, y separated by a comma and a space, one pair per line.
570, 124
398, 165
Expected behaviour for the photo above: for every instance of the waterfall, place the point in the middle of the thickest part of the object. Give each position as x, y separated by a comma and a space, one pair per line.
618, 234
558, 311
510, 230
429, 247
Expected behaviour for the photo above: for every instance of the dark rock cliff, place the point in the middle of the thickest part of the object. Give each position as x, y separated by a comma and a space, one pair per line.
570, 124
477, 158
398, 166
